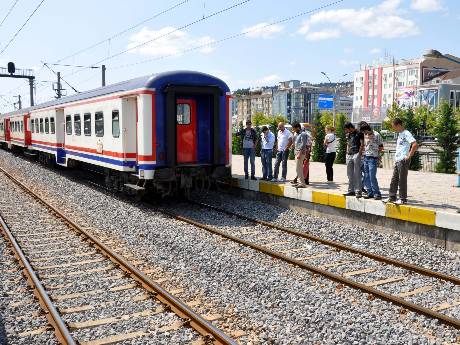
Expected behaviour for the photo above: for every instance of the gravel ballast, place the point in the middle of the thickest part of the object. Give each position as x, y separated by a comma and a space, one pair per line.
271, 301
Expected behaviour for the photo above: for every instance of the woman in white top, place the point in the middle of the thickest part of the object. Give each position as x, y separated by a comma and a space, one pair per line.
330, 141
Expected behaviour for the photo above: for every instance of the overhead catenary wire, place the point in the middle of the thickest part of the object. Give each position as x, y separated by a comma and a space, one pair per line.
108, 39
116, 35
22, 27
185, 26
52, 70
243, 33
9, 12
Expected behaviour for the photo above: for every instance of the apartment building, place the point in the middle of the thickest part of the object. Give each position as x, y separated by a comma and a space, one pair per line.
376, 88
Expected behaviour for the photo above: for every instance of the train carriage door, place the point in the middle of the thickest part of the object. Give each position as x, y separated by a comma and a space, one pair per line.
7, 130
186, 131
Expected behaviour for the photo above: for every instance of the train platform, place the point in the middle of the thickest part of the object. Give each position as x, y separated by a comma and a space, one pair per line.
431, 214
429, 190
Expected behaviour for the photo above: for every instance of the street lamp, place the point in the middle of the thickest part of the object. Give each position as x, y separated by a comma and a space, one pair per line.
335, 94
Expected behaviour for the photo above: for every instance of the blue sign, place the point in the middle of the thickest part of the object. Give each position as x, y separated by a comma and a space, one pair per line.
325, 101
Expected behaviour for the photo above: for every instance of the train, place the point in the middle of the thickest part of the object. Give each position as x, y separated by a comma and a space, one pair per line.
161, 133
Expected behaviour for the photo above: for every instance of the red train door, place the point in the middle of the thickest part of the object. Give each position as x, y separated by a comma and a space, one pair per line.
186, 131
7, 130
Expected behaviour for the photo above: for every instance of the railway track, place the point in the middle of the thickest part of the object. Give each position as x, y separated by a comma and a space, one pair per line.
91, 294
380, 276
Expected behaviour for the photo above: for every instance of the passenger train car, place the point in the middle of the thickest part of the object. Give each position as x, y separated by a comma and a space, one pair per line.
164, 132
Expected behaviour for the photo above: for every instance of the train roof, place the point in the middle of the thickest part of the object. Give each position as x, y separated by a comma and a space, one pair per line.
154, 81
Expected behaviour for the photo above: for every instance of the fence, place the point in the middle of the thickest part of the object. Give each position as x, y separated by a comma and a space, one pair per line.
428, 160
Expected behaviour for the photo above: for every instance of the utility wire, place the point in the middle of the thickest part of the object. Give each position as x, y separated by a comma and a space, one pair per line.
9, 12
22, 27
123, 31
243, 33
46, 65
168, 33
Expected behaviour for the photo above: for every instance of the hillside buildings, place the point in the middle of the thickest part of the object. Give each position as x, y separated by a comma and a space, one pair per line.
407, 83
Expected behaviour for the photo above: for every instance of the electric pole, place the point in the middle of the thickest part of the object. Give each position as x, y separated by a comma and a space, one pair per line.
58, 88
19, 102
103, 75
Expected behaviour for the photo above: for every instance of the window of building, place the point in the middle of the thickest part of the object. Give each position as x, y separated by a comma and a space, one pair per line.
452, 98
400, 84
99, 124
77, 124
457, 100
87, 124
41, 125
390, 75
115, 123
52, 126
183, 114
68, 124
47, 125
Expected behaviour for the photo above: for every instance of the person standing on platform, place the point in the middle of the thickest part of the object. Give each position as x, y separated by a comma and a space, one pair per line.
306, 161
300, 149
373, 145
266, 153
249, 136
330, 141
405, 149
282, 155
355, 147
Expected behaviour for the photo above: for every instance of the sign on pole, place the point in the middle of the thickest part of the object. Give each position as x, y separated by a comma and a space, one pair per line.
325, 101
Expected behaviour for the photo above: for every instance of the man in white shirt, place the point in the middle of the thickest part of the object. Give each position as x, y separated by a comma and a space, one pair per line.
405, 149
266, 153
330, 141
282, 154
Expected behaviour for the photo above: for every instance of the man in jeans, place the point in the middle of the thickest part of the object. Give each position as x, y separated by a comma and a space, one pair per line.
249, 136
355, 146
282, 154
266, 153
373, 145
405, 149
300, 150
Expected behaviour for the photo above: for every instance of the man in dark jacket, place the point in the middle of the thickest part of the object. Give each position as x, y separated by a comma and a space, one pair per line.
249, 137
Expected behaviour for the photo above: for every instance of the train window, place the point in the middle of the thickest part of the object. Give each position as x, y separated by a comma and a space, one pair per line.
68, 124
87, 124
41, 125
36, 125
47, 125
115, 123
183, 114
22, 126
32, 126
99, 124
77, 124
52, 126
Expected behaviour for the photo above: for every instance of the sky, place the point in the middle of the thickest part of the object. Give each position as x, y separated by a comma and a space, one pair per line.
247, 43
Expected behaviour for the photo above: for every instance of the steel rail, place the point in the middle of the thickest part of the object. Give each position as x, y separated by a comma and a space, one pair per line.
54, 318
197, 322
418, 269
332, 276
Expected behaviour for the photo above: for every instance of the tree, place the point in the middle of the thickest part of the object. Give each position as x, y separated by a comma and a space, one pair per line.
237, 141
342, 139
319, 150
446, 130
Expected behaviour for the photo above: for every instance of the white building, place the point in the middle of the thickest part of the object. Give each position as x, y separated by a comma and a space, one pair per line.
376, 88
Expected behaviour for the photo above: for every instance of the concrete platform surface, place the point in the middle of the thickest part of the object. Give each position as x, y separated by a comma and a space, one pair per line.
428, 190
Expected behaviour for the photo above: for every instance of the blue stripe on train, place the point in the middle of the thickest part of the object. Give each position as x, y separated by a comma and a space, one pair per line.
61, 153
